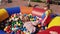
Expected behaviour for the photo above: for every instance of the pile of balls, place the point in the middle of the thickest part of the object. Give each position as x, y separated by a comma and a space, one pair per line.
23, 24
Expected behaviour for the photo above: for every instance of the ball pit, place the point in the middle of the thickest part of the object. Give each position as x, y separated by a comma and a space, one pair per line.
26, 25
30, 22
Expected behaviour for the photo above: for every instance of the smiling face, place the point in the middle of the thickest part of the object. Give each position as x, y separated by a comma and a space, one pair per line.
45, 8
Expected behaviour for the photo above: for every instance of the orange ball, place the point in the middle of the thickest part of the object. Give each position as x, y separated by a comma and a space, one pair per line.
39, 25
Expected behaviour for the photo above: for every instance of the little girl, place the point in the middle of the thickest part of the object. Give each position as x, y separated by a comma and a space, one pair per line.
30, 26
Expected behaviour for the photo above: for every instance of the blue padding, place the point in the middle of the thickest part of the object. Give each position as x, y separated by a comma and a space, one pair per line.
2, 32
13, 10
53, 15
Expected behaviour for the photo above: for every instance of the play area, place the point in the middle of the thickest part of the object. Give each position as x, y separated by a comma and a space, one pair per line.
29, 20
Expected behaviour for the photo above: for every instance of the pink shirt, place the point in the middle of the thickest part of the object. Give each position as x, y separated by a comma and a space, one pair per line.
29, 26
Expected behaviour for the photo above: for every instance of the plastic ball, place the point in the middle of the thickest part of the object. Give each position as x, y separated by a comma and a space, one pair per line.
5, 28
18, 32
31, 19
46, 27
39, 25
43, 27
25, 14
22, 32
14, 29
12, 32
16, 19
29, 14
18, 24
24, 29
35, 18
8, 31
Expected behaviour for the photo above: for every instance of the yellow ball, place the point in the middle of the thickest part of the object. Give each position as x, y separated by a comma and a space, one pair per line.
27, 33
18, 24
5, 28
31, 18
29, 14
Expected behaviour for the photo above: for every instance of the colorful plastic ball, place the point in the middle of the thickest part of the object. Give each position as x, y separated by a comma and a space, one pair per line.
39, 25
22, 32
12, 32
18, 32
24, 29
35, 18
43, 27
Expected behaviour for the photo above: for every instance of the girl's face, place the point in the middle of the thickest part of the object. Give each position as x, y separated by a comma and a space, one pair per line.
45, 8
25, 19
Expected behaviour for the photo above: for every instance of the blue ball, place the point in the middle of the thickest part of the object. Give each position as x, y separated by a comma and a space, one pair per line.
25, 14
12, 32
24, 29
35, 18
